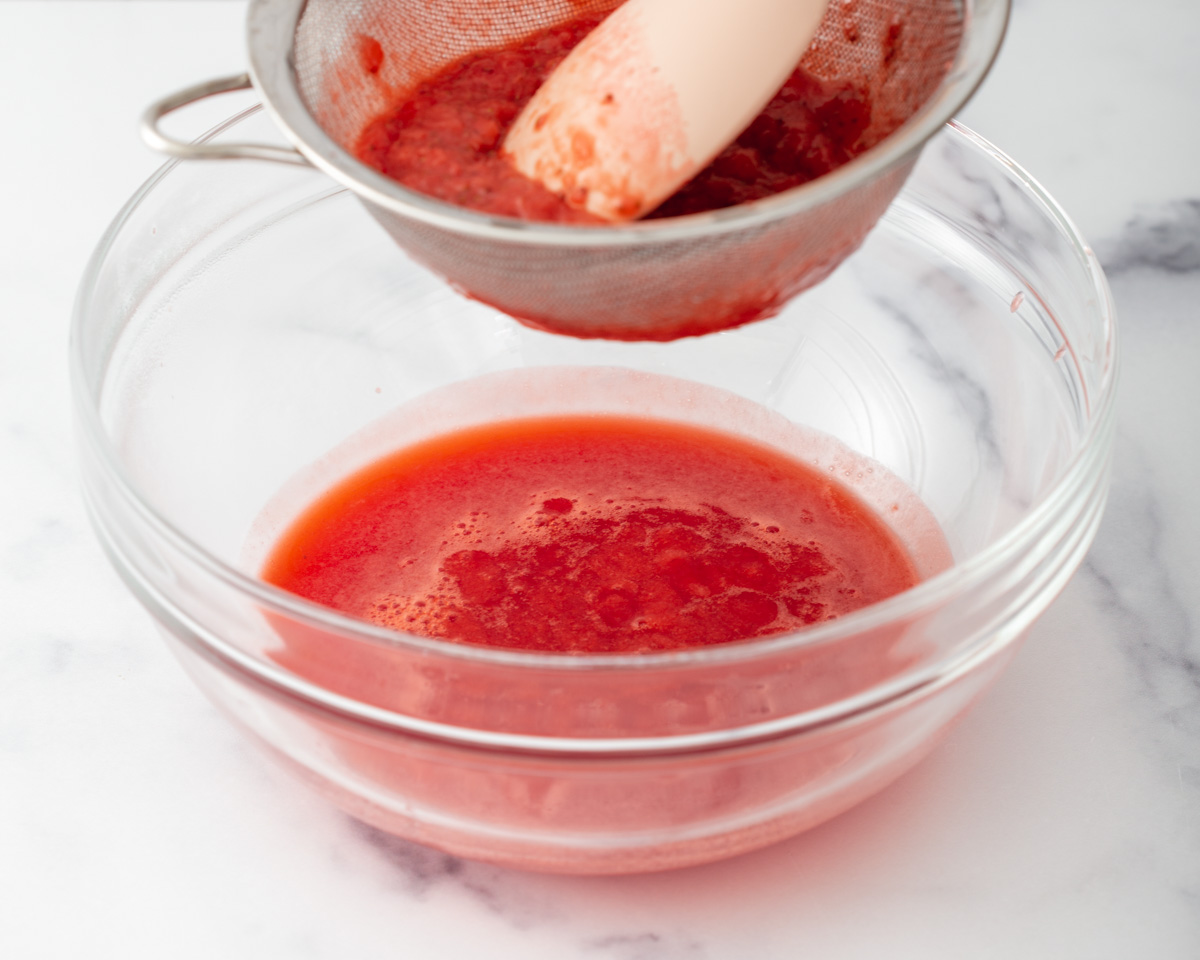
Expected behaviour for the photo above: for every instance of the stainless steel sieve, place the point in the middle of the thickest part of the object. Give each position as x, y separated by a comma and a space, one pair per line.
656, 279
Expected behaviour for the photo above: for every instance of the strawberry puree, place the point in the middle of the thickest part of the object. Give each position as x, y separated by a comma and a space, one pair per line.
444, 138
590, 534
544, 529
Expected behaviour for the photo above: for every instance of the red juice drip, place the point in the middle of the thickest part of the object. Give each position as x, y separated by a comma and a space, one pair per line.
590, 534
444, 138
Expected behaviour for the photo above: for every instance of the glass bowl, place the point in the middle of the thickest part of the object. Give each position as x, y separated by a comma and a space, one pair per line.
244, 331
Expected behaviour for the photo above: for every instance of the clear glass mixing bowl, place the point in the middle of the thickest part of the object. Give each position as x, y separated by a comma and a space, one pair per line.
239, 321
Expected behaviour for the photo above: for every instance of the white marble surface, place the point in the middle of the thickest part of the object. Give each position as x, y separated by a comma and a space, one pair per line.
1061, 819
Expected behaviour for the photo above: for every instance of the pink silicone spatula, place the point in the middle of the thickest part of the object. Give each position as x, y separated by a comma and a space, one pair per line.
653, 94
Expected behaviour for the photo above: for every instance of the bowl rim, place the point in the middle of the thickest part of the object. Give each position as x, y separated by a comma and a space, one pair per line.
1080, 469
271, 27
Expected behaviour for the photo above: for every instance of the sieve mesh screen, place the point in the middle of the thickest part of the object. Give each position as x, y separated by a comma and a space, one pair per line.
901, 50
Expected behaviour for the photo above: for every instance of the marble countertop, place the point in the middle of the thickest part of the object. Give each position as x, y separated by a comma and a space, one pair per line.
1060, 820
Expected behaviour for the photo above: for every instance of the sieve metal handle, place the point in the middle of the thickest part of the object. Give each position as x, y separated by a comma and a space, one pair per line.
208, 151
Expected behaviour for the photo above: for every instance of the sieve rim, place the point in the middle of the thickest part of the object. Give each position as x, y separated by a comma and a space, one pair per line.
271, 32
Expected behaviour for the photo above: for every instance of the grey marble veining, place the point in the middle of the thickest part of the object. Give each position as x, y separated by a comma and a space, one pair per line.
1135, 582
1146, 561
972, 397
1166, 239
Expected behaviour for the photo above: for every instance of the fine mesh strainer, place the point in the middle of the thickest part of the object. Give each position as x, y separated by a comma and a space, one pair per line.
657, 279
